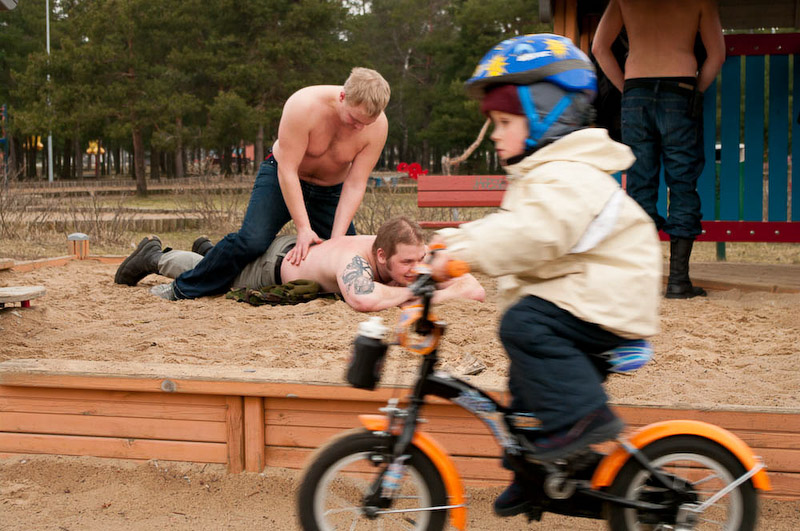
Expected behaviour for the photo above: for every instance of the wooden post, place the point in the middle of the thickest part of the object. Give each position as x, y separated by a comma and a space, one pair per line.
254, 434
78, 245
571, 21
559, 17
234, 419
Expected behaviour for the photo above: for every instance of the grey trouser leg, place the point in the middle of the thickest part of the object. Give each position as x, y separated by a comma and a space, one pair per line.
173, 263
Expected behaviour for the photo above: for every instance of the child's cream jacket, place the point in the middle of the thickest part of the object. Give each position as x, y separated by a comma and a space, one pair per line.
567, 233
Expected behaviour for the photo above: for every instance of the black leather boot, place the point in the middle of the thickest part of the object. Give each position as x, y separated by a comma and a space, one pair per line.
142, 262
678, 285
202, 245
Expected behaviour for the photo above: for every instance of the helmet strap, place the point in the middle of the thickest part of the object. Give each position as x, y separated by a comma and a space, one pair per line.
536, 127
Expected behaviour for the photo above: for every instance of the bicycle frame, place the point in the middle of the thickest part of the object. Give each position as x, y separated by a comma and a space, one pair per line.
401, 425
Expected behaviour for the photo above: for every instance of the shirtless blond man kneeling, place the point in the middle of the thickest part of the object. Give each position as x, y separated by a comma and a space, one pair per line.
329, 139
371, 272
662, 94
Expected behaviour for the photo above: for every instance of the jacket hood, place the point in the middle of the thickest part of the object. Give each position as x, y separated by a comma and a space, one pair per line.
590, 146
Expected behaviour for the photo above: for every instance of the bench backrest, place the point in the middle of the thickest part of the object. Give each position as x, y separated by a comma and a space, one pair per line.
460, 190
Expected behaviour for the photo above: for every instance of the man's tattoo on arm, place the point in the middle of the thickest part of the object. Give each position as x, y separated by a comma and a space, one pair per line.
358, 276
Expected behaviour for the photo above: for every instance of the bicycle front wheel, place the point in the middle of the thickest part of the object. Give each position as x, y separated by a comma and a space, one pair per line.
334, 486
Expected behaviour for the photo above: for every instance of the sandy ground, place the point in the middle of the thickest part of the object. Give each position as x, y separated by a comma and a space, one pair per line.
732, 348
70, 493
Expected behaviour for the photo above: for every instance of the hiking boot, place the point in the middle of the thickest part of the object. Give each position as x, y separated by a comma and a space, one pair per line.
512, 501
598, 426
202, 245
679, 286
141, 262
165, 291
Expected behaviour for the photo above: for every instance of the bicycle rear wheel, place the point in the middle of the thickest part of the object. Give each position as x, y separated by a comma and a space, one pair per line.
704, 468
335, 484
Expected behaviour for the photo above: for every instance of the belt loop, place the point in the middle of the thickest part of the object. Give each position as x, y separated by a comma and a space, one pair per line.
657, 87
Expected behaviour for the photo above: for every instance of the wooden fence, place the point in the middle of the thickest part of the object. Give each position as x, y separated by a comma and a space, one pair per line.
248, 421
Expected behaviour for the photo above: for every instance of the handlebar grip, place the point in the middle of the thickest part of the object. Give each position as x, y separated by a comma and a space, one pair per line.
457, 268
453, 269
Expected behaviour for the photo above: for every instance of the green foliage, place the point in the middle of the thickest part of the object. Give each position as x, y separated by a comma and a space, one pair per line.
177, 75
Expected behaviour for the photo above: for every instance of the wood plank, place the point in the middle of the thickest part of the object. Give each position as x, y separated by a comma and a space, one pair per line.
795, 148
305, 412
762, 44
56, 394
729, 138
456, 443
20, 293
778, 137
31, 265
754, 138
433, 424
107, 408
571, 29
733, 419
139, 428
784, 485
559, 16
434, 408
234, 424
200, 452
178, 379
780, 459
254, 434
461, 183
460, 199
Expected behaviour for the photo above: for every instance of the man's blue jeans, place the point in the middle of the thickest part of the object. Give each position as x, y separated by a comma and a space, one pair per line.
265, 217
657, 127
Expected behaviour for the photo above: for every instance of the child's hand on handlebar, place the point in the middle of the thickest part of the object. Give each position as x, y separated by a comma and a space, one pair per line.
443, 266
439, 265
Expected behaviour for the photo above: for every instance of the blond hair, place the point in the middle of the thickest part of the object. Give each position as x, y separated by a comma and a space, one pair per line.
368, 88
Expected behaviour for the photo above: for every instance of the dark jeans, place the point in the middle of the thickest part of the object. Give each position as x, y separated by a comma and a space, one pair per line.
553, 372
266, 215
658, 128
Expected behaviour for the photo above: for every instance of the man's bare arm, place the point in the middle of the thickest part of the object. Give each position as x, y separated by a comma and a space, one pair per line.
463, 287
607, 31
293, 134
360, 290
714, 42
355, 183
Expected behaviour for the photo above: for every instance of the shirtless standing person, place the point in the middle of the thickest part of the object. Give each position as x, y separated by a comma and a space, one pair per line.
662, 92
371, 272
329, 139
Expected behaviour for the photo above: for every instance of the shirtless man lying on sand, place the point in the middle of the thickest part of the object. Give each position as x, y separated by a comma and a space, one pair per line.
371, 272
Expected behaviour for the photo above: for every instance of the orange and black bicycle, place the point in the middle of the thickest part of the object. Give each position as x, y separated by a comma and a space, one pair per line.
677, 474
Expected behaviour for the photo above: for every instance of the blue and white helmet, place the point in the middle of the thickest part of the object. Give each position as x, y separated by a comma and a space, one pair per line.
530, 59
533, 62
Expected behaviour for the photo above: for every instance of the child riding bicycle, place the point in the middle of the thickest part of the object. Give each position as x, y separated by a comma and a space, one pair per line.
578, 262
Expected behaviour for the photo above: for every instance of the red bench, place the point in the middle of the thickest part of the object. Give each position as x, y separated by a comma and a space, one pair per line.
487, 191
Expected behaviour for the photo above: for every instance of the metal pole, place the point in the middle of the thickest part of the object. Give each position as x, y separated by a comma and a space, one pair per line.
50, 133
